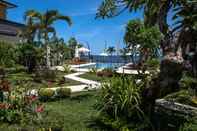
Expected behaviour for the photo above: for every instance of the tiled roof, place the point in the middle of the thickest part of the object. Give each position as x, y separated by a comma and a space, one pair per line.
8, 4
9, 27
2, 21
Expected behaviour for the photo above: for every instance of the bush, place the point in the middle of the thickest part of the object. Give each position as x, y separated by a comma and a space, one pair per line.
63, 92
67, 68
93, 70
190, 126
119, 104
45, 74
152, 64
190, 83
183, 97
106, 73
46, 94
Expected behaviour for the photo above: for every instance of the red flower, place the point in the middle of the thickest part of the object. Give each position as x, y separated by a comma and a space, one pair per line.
33, 98
40, 108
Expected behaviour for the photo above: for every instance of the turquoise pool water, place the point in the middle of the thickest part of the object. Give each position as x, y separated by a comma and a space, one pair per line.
108, 65
104, 65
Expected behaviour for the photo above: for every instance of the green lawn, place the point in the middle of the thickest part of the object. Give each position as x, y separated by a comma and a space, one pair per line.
14, 78
71, 114
93, 76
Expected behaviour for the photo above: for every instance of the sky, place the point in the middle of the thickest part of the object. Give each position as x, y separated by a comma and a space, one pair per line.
86, 29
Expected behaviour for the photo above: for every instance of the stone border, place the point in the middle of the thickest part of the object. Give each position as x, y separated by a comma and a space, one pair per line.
177, 107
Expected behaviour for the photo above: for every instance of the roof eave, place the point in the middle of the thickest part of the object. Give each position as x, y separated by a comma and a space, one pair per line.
8, 4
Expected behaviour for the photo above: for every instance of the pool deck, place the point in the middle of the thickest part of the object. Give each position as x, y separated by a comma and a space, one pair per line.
83, 65
121, 70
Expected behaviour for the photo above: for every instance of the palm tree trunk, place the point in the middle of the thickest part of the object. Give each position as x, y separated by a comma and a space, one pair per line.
48, 51
48, 56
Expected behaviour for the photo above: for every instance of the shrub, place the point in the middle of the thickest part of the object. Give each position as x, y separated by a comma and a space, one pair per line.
153, 64
191, 125
119, 103
67, 68
106, 73
45, 74
93, 70
18, 107
190, 83
46, 94
7, 54
63, 92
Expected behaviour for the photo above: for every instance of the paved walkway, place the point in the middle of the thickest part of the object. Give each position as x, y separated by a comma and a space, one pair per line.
75, 77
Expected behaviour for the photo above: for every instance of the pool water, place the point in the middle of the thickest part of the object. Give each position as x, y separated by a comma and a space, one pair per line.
108, 65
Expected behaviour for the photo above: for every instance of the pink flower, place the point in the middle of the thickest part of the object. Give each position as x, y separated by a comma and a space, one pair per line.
33, 98
40, 109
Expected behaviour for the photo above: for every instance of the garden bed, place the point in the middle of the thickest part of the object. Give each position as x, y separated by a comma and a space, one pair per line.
65, 114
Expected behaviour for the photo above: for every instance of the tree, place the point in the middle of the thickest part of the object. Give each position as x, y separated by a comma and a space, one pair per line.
27, 56
140, 38
7, 54
72, 44
156, 12
43, 22
110, 50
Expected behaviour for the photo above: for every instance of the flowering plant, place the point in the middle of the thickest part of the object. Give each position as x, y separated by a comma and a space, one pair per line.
20, 107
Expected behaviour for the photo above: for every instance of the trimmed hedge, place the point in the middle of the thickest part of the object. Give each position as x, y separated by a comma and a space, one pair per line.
46, 94
63, 92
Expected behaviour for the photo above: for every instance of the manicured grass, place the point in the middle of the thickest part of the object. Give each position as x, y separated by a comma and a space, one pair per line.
70, 114
93, 76
15, 78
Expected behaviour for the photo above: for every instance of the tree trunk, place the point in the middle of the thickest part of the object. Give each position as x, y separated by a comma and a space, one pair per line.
48, 56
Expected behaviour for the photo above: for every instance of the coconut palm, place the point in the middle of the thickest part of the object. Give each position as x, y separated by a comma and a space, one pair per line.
110, 50
43, 22
155, 12
140, 38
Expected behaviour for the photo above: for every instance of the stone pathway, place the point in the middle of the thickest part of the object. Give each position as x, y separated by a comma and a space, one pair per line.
75, 77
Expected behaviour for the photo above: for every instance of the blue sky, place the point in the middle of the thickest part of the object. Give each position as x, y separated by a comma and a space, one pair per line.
85, 28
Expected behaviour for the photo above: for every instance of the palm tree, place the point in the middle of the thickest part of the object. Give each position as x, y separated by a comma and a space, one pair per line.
155, 13
43, 22
111, 50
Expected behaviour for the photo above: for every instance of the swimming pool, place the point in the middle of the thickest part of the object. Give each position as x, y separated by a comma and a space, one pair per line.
108, 65
100, 65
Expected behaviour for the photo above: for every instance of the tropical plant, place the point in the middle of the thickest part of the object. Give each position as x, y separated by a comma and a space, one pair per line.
7, 54
59, 51
72, 44
119, 104
189, 83
110, 50
27, 55
191, 125
43, 22
156, 12
67, 68
18, 107
140, 38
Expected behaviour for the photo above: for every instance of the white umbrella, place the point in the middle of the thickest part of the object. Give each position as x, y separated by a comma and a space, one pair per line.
103, 54
83, 50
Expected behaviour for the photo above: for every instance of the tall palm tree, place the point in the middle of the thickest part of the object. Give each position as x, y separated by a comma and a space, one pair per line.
155, 12
111, 50
43, 22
